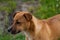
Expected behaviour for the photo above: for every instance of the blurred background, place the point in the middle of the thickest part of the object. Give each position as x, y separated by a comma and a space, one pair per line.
41, 9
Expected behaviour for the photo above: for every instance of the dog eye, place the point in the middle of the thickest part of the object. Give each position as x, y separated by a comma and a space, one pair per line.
18, 22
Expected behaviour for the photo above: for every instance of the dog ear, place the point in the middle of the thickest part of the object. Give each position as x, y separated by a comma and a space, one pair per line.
28, 16
15, 13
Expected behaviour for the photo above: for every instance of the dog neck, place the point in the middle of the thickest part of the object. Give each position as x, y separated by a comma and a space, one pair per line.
37, 24
34, 28
30, 32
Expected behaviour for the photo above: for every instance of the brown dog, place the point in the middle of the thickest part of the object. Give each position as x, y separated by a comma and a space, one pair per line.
34, 28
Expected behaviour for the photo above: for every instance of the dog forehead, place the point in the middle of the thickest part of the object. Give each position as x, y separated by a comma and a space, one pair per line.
19, 15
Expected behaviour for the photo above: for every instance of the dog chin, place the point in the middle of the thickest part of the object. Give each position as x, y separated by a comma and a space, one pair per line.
15, 32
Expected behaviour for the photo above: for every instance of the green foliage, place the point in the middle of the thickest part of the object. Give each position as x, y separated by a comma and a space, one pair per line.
6, 0
47, 8
5, 37
10, 37
20, 37
26, 0
10, 6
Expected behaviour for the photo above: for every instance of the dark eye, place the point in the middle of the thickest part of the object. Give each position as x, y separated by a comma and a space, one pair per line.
18, 22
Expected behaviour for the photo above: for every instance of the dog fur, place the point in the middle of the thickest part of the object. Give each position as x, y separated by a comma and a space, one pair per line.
36, 29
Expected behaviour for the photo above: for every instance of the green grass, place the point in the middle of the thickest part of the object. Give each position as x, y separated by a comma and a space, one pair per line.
12, 37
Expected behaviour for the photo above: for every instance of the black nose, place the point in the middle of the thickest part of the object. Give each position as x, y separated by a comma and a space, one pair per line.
9, 29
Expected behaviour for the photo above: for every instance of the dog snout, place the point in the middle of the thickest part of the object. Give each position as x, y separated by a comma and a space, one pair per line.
9, 30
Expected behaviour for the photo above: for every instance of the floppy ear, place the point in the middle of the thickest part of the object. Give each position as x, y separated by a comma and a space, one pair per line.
15, 13
28, 16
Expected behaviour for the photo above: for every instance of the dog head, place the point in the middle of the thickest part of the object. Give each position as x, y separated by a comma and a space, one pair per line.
21, 22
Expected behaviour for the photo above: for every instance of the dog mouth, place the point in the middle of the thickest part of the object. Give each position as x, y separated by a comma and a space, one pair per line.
14, 32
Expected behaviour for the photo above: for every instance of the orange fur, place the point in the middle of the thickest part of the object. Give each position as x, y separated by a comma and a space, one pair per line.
36, 29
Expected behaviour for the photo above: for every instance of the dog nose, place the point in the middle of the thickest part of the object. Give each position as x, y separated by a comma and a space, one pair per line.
9, 29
